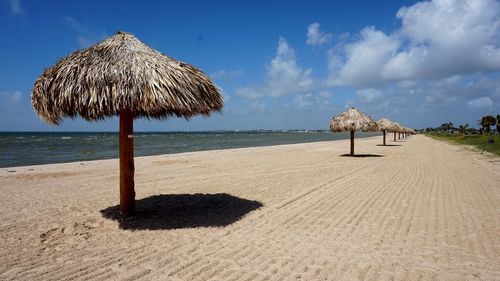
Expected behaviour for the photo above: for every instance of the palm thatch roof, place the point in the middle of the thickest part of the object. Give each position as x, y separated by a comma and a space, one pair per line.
385, 124
352, 120
119, 73
397, 128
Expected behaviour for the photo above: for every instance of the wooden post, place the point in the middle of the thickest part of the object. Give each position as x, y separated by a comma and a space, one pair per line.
352, 143
399, 136
394, 136
384, 136
127, 192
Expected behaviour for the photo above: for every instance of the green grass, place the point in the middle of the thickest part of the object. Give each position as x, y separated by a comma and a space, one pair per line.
479, 141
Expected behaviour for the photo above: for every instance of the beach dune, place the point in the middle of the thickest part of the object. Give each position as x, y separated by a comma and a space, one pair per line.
418, 210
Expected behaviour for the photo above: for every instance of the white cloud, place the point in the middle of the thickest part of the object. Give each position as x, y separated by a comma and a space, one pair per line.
11, 97
13, 103
85, 35
481, 103
227, 74
437, 39
306, 100
369, 95
249, 93
325, 94
321, 101
257, 106
364, 58
226, 97
315, 36
218, 74
17, 96
284, 76
348, 103
16, 8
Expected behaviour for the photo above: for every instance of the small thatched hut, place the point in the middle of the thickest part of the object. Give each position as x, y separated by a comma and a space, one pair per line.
352, 120
386, 125
121, 76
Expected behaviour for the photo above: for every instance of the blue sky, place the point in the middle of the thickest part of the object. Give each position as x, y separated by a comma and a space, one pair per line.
281, 65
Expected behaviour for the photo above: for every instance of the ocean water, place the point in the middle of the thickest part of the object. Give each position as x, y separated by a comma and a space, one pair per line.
32, 148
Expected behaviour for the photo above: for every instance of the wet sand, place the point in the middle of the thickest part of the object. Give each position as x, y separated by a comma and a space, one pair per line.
418, 210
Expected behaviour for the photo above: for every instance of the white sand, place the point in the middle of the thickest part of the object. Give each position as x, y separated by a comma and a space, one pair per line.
427, 210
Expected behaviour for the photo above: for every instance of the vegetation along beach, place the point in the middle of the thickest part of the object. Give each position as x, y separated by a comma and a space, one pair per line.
250, 140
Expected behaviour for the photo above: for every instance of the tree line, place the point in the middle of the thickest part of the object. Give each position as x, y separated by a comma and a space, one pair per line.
486, 123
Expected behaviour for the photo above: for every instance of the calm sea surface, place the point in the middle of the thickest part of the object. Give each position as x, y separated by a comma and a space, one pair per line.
31, 148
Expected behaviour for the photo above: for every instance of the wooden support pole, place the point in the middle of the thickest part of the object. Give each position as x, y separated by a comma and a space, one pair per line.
127, 192
384, 136
352, 143
394, 136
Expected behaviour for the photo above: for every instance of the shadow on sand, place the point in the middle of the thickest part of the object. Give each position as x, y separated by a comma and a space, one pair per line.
389, 145
173, 211
362, 155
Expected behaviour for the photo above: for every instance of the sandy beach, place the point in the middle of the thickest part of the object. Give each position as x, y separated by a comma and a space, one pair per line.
417, 210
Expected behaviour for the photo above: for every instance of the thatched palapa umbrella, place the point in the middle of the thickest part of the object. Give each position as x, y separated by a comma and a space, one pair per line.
352, 120
121, 76
409, 131
385, 125
404, 131
397, 129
